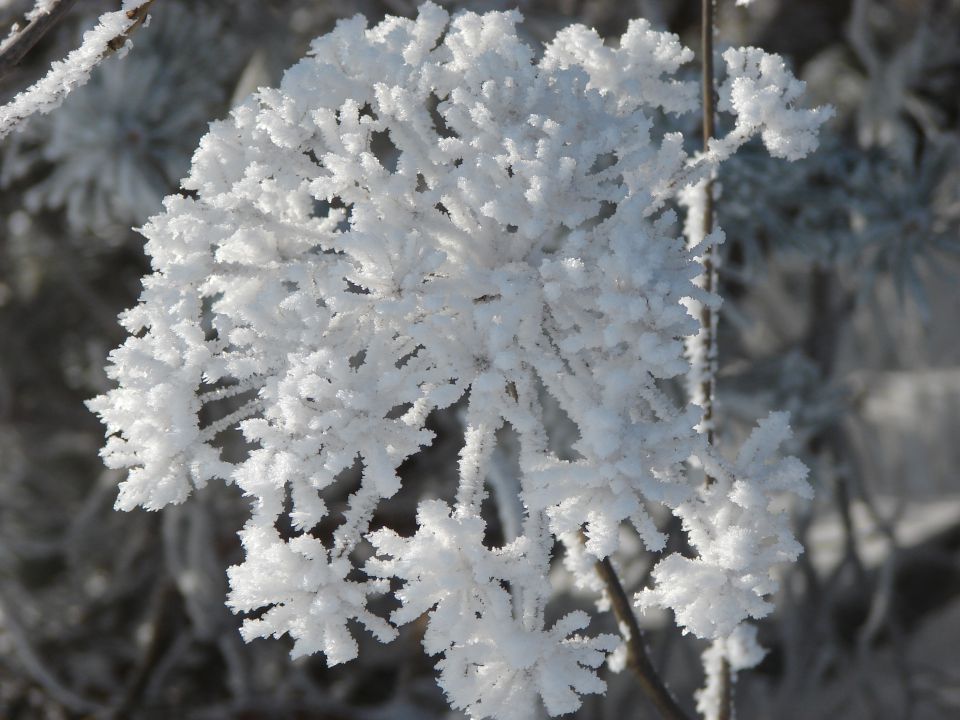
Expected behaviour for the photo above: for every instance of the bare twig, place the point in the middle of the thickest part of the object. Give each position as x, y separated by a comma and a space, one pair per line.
138, 15
637, 659
164, 605
21, 42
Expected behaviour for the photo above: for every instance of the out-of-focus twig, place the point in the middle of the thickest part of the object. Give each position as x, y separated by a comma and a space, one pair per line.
707, 320
163, 606
35, 666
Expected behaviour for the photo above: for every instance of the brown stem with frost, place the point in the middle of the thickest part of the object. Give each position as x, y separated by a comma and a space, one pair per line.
707, 318
138, 15
709, 264
23, 41
637, 658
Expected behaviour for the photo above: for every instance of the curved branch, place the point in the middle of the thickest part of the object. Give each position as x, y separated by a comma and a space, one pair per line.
637, 658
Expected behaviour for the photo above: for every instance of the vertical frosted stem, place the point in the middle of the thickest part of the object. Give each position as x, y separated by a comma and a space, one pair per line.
708, 317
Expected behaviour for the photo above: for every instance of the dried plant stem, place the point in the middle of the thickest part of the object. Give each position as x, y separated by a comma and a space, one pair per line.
637, 659
138, 15
708, 319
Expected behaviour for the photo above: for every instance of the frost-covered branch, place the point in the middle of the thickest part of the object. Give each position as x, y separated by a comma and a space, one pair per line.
702, 347
45, 15
111, 34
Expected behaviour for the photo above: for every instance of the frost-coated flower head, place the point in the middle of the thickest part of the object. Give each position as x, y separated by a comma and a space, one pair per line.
122, 142
426, 212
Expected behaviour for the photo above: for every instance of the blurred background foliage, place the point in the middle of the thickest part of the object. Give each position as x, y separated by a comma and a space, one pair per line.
841, 281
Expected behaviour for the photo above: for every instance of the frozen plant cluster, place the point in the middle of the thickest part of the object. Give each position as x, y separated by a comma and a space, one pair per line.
428, 212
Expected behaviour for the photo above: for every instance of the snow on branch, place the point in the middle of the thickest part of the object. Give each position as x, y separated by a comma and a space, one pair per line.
762, 93
110, 35
41, 19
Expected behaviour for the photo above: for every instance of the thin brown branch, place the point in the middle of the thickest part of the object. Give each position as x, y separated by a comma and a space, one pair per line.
726, 691
62, 78
19, 44
138, 15
637, 659
50, 91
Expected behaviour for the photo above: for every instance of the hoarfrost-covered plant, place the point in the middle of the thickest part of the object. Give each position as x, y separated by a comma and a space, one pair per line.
425, 212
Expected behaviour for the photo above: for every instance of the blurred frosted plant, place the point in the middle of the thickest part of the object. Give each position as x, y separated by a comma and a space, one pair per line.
425, 212
903, 78
864, 211
122, 142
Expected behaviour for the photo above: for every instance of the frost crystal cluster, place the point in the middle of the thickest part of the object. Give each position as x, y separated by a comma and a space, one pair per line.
428, 212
